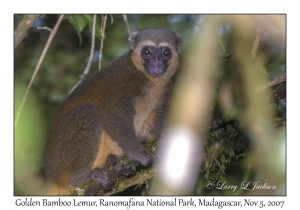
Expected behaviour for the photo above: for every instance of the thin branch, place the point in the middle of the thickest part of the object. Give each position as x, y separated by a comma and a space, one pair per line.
88, 66
259, 33
127, 24
51, 36
103, 25
44, 28
22, 28
111, 19
275, 81
139, 178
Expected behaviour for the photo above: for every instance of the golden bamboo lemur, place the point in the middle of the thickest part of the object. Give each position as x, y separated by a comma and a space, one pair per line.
112, 112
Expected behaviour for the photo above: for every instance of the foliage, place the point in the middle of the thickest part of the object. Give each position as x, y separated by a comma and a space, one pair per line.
28, 145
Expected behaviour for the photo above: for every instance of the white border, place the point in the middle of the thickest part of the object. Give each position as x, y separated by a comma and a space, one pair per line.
9, 8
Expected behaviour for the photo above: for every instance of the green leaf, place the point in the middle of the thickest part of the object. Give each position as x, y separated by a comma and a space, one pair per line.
89, 20
79, 22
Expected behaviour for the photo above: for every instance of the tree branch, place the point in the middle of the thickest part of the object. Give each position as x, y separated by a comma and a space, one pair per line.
51, 36
22, 28
127, 24
88, 66
103, 25
275, 81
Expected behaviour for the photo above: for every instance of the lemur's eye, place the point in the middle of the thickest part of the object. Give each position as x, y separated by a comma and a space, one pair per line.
166, 52
146, 51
